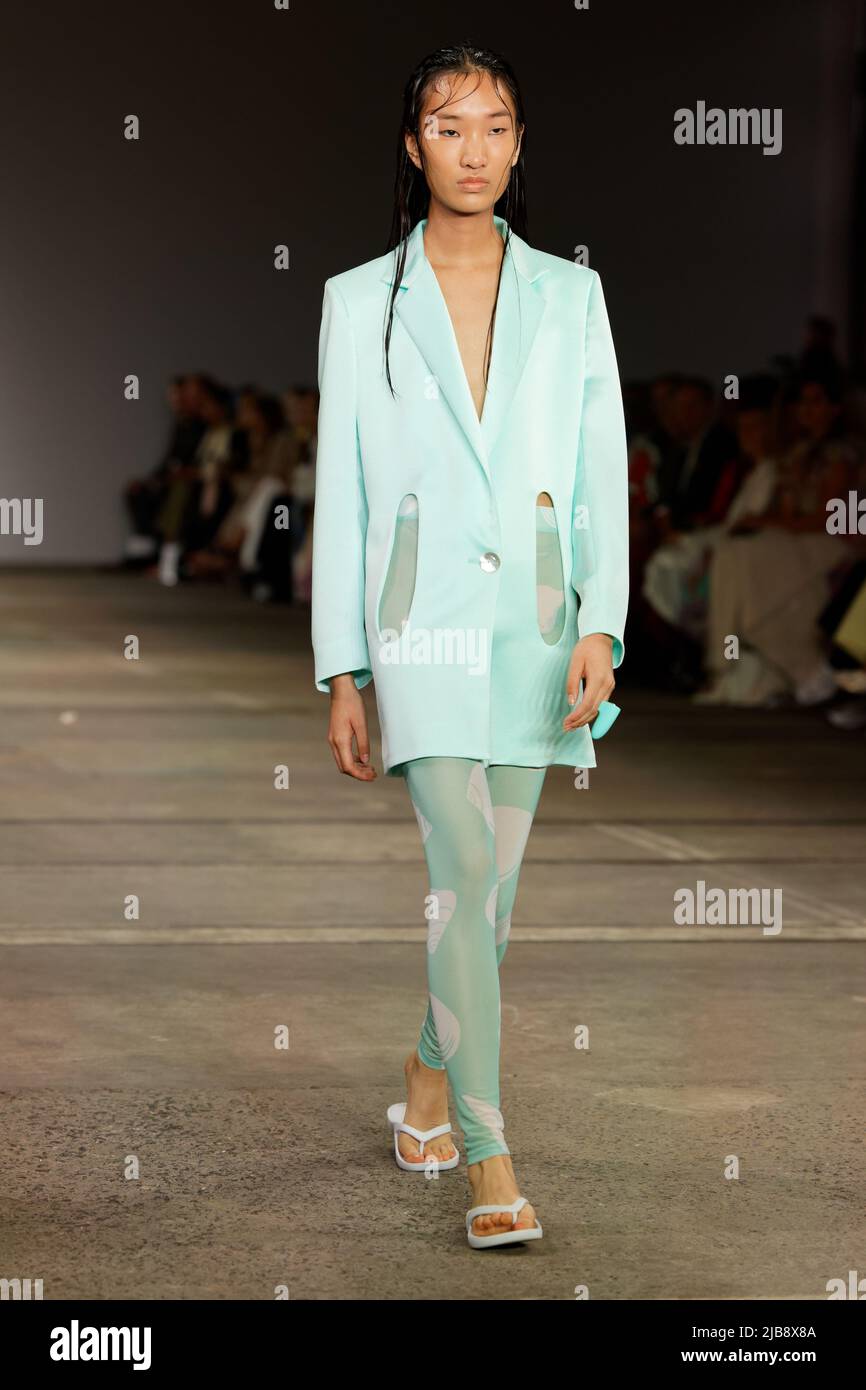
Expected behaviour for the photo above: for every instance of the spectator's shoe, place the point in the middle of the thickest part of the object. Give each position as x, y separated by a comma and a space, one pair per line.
715, 694
748, 682
849, 716
169, 558
139, 547
818, 687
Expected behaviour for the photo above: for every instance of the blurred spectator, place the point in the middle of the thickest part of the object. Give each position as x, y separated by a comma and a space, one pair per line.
145, 496
675, 581
844, 623
271, 452
302, 409
771, 578
818, 359
199, 496
653, 447
688, 482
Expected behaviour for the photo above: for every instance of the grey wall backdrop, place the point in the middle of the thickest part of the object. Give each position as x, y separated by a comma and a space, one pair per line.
261, 126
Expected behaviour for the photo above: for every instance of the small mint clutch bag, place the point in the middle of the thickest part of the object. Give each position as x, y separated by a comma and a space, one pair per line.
606, 717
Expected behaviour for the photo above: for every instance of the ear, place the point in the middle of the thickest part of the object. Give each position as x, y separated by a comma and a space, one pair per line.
412, 149
516, 154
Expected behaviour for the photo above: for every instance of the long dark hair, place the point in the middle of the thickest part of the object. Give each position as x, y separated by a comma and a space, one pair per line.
411, 193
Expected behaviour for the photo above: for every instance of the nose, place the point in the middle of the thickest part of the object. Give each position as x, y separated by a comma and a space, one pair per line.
473, 153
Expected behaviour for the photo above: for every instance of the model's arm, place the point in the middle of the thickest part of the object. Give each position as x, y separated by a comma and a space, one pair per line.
601, 586
342, 660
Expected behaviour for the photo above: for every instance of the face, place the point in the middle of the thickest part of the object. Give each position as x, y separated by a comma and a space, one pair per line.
192, 395
247, 412
753, 433
815, 411
663, 397
470, 143
692, 410
212, 411
292, 403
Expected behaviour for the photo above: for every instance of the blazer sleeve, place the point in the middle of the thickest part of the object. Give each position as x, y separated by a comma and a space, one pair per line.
340, 507
601, 530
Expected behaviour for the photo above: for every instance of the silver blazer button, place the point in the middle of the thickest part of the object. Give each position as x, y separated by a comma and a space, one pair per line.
489, 561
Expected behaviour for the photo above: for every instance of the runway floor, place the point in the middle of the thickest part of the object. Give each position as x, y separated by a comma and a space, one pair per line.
157, 1144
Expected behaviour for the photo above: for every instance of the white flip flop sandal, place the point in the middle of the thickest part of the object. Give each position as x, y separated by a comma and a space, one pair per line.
501, 1237
397, 1123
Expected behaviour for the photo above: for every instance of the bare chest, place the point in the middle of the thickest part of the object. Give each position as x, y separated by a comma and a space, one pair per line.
470, 297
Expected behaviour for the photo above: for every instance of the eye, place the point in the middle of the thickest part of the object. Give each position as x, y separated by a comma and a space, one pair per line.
448, 130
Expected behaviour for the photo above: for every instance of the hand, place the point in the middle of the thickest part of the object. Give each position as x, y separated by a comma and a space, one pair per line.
591, 662
348, 721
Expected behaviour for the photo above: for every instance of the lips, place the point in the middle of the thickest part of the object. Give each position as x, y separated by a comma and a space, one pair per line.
472, 183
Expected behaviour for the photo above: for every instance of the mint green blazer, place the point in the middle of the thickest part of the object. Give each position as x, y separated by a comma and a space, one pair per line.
471, 674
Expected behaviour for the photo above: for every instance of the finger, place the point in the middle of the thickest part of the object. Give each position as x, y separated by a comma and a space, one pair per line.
588, 707
360, 769
348, 763
573, 684
362, 739
346, 758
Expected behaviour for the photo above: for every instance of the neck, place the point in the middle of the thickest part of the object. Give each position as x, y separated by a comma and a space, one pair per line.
461, 241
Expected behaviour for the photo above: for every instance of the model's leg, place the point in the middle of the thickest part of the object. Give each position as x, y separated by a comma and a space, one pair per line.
515, 792
452, 801
490, 1169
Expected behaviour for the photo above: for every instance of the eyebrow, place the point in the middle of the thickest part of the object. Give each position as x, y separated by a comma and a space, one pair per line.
488, 115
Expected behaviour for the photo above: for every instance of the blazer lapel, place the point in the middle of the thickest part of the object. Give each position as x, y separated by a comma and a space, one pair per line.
423, 311
519, 311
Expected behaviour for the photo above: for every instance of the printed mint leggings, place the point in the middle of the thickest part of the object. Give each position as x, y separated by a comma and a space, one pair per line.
474, 827
474, 824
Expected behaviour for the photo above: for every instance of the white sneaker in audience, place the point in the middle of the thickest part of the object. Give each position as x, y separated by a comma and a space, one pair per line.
169, 558
139, 547
819, 686
850, 716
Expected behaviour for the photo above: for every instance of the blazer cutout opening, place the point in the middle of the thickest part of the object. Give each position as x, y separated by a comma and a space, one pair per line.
549, 583
398, 588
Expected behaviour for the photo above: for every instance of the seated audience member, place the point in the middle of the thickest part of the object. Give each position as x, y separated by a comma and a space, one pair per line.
675, 581
844, 623
653, 449
199, 498
653, 452
688, 483
145, 496
279, 573
818, 358
271, 454
773, 575
302, 407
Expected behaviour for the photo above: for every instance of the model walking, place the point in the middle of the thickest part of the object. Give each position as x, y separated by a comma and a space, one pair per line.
470, 556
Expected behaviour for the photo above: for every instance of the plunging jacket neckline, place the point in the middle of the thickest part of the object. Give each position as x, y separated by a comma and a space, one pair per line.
496, 222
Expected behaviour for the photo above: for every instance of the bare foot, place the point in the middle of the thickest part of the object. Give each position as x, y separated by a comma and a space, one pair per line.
493, 1181
426, 1107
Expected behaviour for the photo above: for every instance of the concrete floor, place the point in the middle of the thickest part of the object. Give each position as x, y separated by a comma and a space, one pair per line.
260, 908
